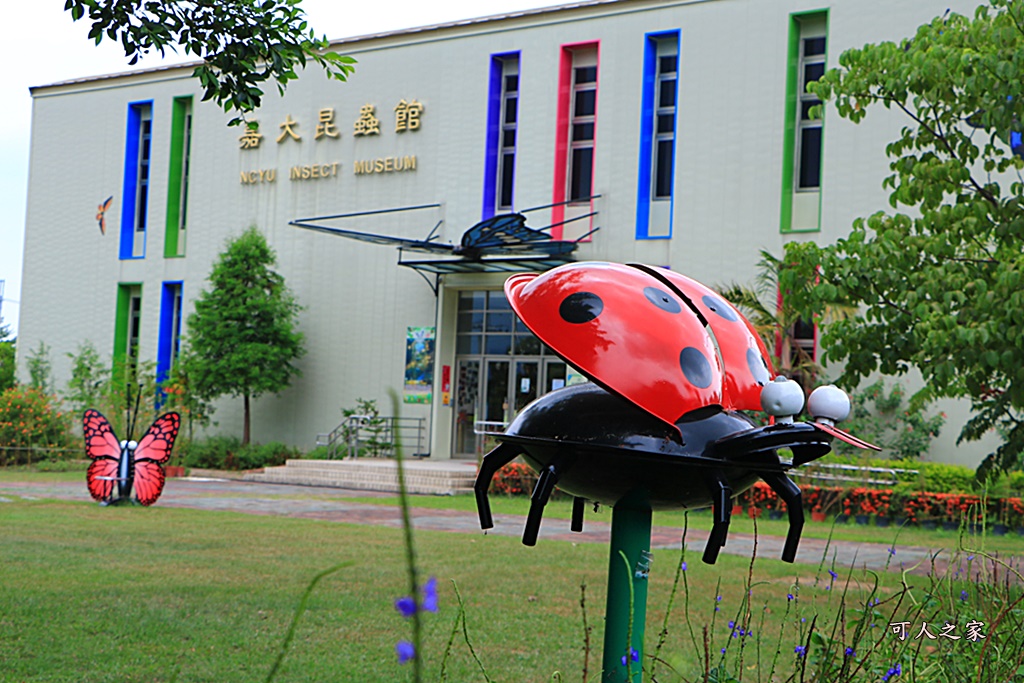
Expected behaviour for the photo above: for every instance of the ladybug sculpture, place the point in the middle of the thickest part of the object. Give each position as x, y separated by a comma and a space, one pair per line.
673, 365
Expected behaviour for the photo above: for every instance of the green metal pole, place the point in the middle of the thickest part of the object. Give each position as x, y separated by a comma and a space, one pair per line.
623, 629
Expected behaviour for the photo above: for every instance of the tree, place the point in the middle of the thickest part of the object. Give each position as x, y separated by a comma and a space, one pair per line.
242, 336
940, 287
40, 370
243, 43
776, 321
7, 359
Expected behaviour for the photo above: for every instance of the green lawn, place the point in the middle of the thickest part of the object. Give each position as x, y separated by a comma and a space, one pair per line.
133, 594
561, 508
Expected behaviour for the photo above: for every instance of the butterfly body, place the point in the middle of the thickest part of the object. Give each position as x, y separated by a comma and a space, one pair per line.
120, 467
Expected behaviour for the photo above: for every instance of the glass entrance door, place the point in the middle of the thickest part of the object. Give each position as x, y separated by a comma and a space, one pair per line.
500, 367
467, 393
554, 374
526, 384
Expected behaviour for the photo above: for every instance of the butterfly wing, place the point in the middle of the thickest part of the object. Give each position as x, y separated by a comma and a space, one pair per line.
102, 446
101, 216
153, 451
149, 481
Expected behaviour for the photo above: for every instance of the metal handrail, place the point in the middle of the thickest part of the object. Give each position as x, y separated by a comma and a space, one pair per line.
838, 473
357, 431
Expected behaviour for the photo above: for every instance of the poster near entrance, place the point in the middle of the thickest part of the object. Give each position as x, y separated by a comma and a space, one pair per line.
419, 364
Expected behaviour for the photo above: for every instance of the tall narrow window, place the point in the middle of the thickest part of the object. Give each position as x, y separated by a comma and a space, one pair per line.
584, 112
142, 186
572, 196
137, 163
808, 156
169, 342
177, 184
665, 119
128, 325
502, 127
509, 120
658, 114
803, 133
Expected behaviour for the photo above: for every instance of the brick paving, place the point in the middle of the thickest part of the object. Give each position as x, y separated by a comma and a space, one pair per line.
312, 502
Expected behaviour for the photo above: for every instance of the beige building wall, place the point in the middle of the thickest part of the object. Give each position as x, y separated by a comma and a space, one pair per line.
729, 159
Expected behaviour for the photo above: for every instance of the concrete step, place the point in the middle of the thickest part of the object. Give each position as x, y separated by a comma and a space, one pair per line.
374, 474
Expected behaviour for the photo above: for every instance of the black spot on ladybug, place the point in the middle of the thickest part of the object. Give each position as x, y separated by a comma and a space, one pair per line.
662, 299
757, 367
717, 306
581, 307
695, 367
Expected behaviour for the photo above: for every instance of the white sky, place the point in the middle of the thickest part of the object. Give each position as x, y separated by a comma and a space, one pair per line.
42, 45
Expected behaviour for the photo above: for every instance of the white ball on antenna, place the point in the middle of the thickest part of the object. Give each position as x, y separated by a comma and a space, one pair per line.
829, 404
782, 398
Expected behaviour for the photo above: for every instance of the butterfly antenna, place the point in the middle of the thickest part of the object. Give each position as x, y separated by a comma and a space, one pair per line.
128, 410
135, 417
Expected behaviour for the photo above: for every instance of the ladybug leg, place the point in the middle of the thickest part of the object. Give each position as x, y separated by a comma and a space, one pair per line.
790, 494
722, 500
492, 462
577, 514
541, 492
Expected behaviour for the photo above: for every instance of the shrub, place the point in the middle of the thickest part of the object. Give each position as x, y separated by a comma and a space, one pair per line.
271, 454
514, 479
227, 453
884, 418
31, 425
213, 453
942, 478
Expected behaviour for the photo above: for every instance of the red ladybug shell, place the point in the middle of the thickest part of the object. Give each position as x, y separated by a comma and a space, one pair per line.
744, 355
626, 330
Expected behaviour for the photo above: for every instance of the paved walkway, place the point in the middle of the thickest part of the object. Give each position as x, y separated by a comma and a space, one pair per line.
313, 502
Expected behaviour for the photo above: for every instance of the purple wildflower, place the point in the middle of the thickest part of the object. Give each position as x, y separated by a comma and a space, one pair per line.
683, 566
405, 651
430, 594
633, 655
892, 551
800, 650
406, 606
963, 596
850, 652
893, 671
833, 574
790, 597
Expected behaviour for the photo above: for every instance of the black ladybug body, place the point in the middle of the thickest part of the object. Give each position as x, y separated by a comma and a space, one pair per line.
601, 448
623, 451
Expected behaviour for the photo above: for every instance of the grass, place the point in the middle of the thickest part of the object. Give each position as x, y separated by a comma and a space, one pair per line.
561, 509
161, 594
135, 594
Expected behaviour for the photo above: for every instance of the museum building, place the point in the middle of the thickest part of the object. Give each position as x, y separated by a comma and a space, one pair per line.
676, 133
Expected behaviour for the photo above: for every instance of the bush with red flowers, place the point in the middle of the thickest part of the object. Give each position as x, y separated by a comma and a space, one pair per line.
514, 479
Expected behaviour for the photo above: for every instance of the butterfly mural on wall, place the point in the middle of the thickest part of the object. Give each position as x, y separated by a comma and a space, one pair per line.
119, 467
101, 214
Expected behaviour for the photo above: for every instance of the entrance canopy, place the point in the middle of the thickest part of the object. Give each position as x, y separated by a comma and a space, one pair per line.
499, 244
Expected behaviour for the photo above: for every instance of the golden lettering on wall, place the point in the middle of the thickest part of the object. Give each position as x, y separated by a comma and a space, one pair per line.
267, 175
326, 126
367, 123
252, 137
385, 165
288, 130
313, 171
407, 115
